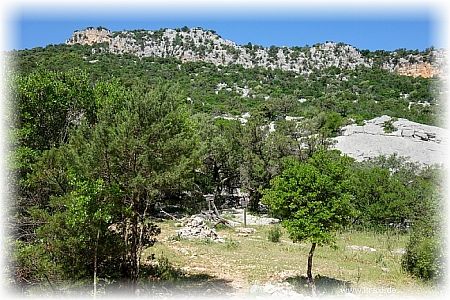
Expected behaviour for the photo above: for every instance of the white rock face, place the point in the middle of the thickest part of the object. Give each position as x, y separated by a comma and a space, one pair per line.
197, 44
420, 143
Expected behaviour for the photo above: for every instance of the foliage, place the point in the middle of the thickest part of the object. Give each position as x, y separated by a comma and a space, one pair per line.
101, 142
366, 92
391, 191
221, 154
425, 256
312, 198
115, 172
274, 234
388, 126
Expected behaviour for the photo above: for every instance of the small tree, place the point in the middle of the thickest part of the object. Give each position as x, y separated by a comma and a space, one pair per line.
312, 199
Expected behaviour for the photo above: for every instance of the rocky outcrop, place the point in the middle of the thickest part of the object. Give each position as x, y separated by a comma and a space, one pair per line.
420, 143
425, 70
197, 44
90, 36
426, 64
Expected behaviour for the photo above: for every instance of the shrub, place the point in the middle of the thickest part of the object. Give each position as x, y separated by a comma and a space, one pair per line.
388, 126
164, 270
274, 234
423, 257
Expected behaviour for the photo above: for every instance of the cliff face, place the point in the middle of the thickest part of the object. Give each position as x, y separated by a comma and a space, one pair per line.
90, 36
197, 44
425, 70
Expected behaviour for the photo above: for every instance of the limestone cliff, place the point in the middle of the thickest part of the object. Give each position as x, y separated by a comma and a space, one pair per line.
425, 69
90, 36
197, 44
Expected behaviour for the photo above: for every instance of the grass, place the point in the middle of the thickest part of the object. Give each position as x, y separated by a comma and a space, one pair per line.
244, 260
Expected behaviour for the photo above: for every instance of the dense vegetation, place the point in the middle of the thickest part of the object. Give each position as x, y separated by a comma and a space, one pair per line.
363, 93
102, 142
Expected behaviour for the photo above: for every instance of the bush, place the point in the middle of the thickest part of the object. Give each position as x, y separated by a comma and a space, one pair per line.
33, 264
423, 257
274, 234
388, 126
162, 270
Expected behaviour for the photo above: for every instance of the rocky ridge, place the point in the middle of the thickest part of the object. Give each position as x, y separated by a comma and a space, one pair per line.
197, 44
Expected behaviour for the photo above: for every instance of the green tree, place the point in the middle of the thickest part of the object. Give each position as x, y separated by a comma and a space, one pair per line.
313, 200
115, 171
141, 146
221, 154
391, 190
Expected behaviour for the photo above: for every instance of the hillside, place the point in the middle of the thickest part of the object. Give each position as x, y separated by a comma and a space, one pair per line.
175, 161
197, 44
359, 85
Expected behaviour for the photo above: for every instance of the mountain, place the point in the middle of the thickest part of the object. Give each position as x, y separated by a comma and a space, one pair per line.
197, 44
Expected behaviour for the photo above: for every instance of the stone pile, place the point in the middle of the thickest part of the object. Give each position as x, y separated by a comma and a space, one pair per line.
195, 227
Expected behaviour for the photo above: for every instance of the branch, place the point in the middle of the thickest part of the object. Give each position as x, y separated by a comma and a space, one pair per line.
166, 213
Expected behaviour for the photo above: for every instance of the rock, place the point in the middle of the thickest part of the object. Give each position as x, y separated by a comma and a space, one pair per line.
183, 251
196, 221
420, 143
373, 129
361, 248
277, 289
196, 228
186, 45
421, 135
238, 215
245, 230
409, 133
380, 120
400, 251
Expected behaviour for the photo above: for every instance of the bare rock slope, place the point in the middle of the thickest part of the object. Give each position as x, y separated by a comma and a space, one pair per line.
420, 143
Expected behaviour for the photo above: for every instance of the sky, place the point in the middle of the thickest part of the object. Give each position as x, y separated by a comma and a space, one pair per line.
416, 30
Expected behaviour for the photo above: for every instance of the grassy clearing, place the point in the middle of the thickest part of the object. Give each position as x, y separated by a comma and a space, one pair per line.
244, 260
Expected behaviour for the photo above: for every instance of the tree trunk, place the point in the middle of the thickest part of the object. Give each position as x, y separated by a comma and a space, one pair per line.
133, 253
309, 272
141, 234
254, 197
95, 263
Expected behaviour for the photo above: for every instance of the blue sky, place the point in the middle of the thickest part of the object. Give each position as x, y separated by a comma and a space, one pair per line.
414, 30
